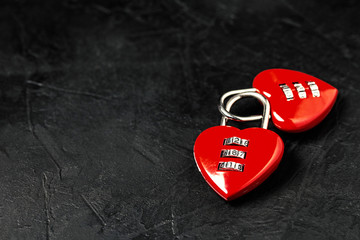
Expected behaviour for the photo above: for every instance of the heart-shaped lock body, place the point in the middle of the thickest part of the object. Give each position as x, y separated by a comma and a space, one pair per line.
298, 101
235, 161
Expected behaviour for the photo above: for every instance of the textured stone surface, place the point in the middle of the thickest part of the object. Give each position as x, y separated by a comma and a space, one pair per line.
101, 104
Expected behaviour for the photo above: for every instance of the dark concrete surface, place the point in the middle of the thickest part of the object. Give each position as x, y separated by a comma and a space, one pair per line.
101, 103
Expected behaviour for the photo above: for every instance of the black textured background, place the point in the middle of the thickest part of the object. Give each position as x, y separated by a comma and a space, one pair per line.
101, 103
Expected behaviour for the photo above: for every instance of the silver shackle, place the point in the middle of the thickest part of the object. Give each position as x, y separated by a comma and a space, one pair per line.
237, 95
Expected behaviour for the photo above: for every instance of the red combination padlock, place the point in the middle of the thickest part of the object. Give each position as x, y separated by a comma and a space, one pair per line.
235, 161
298, 101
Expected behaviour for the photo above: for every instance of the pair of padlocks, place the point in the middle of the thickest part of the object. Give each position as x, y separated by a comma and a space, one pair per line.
235, 161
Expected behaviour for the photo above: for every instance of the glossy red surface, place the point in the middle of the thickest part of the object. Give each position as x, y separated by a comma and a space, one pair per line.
296, 115
263, 155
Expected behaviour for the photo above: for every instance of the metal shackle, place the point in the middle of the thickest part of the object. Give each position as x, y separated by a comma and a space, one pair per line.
225, 111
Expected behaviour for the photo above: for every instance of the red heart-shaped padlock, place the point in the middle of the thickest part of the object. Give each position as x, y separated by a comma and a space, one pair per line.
298, 101
235, 161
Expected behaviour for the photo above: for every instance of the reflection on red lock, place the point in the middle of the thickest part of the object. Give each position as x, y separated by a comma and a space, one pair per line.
298, 101
235, 161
